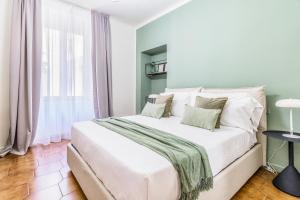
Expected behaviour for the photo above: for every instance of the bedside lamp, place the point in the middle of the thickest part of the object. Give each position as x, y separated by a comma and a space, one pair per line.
291, 104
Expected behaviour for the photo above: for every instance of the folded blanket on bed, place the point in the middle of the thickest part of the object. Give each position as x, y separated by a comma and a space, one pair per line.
190, 160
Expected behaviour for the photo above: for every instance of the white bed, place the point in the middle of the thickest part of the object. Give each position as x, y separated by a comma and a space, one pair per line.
110, 166
116, 159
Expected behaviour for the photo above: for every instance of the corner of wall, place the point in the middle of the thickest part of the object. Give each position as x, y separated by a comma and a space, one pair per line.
123, 64
5, 13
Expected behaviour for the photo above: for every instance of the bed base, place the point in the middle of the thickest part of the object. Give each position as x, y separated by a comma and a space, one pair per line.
226, 183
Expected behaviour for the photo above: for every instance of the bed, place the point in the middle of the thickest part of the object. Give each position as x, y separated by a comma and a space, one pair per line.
109, 166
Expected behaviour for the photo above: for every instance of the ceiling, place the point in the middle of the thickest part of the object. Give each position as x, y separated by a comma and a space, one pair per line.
135, 12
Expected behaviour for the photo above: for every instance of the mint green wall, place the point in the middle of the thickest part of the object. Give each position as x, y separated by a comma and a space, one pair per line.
146, 82
158, 57
233, 43
158, 84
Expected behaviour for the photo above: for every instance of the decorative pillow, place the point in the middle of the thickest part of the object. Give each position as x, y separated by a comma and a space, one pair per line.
165, 99
199, 117
153, 110
179, 101
257, 92
241, 110
211, 103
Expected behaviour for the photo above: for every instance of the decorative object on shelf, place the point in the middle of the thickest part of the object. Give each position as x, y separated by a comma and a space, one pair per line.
156, 68
291, 104
162, 67
288, 180
151, 98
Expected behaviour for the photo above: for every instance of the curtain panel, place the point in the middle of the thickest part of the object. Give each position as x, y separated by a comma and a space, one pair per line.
25, 70
102, 65
66, 86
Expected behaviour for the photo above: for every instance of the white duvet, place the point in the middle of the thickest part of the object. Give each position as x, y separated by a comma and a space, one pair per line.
133, 172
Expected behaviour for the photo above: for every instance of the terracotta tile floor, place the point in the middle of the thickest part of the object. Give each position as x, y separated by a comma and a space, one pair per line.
43, 174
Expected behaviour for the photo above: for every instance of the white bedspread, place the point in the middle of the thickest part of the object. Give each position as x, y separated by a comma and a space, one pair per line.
133, 172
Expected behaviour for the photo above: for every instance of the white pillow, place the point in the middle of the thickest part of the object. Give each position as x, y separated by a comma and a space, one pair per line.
179, 101
216, 95
244, 113
197, 89
257, 92
241, 110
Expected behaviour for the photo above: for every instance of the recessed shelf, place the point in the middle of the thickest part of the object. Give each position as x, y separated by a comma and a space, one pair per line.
154, 63
156, 50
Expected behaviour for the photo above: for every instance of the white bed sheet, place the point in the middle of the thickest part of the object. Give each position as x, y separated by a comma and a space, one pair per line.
131, 171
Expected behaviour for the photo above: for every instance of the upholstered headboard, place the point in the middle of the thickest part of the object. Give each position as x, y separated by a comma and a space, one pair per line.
260, 95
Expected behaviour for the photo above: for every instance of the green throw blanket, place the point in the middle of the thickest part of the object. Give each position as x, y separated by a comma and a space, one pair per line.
189, 160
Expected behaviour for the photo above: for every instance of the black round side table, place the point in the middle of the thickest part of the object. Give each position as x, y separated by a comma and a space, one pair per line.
288, 180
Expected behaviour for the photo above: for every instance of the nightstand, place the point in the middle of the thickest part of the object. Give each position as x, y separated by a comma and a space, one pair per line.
288, 180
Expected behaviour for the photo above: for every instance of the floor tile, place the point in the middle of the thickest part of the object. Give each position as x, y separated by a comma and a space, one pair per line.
12, 181
46, 159
5, 164
15, 193
3, 173
66, 172
75, 195
23, 167
68, 185
51, 193
42, 182
48, 168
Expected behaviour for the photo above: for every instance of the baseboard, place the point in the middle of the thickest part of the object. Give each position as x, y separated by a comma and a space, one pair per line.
277, 167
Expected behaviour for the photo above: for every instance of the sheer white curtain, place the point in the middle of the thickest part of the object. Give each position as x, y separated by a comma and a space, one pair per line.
66, 91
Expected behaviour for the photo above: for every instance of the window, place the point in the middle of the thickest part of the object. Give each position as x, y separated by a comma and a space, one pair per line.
56, 57
66, 89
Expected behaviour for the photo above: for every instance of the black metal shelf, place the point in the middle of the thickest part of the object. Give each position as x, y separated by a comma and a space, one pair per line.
155, 74
160, 62
155, 65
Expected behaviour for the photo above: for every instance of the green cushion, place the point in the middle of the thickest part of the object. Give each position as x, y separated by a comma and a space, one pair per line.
212, 103
153, 110
200, 117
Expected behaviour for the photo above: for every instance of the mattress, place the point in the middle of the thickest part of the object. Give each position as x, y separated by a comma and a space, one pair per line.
131, 171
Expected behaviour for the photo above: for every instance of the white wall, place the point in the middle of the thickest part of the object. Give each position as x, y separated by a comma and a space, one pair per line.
5, 8
123, 67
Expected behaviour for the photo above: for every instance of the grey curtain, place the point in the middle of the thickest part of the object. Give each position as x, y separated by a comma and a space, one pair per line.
25, 74
101, 63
